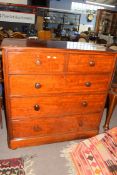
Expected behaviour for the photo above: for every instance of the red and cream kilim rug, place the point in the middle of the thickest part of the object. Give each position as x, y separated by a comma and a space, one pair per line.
94, 156
16, 166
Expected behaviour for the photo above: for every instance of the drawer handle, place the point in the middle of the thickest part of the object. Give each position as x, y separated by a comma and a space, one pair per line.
91, 63
36, 107
38, 62
36, 128
37, 85
80, 123
88, 84
84, 104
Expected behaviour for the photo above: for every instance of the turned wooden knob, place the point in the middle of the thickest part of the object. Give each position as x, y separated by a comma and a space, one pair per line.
80, 123
37, 85
36, 128
38, 62
84, 103
92, 63
87, 84
36, 107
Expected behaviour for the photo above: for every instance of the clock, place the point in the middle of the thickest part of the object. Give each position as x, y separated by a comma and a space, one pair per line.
90, 17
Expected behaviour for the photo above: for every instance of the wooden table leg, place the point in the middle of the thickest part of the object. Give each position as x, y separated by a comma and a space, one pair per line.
112, 104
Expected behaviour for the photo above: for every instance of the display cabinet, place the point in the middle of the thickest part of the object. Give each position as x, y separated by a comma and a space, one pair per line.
114, 25
63, 25
53, 19
106, 22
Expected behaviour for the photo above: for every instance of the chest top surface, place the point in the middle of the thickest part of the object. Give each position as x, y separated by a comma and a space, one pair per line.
65, 45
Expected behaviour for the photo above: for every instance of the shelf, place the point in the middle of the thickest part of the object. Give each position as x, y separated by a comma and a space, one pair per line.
62, 23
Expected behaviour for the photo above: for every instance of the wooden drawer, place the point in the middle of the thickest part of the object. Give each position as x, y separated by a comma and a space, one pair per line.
90, 63
35, 62
36, 84
55, 105
54, 126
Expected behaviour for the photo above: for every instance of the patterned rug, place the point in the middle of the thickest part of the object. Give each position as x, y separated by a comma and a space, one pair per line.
16, 166
94, 156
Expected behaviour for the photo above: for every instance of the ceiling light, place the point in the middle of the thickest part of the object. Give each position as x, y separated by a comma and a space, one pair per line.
100, 4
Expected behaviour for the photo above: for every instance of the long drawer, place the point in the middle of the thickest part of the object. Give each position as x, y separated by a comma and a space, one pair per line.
48, 106
36, 84
35, 62
53, 126
90, 63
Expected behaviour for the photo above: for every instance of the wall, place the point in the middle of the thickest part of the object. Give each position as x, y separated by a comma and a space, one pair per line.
66, 4
84, 24
63, 4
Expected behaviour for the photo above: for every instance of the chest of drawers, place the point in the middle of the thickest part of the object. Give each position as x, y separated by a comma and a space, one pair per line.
54, 93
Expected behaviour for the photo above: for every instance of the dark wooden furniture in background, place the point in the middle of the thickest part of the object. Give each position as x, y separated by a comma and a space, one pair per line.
54, 91
112, 95
106, 22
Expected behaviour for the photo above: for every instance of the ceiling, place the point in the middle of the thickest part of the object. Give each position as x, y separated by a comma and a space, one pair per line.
111, 2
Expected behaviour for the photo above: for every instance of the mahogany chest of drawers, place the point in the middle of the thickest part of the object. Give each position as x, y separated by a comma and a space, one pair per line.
54, 91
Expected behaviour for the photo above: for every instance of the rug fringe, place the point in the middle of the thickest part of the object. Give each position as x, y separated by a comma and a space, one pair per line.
28, 163
65, 153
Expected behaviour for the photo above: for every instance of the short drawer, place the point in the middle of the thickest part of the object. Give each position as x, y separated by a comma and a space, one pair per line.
90, 63
54, 126
35, 62
34, 85
48, 106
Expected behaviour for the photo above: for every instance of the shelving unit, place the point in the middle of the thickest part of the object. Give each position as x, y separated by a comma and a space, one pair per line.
67, 20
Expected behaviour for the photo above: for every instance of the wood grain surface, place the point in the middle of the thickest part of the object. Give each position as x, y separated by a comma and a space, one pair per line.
54, 91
